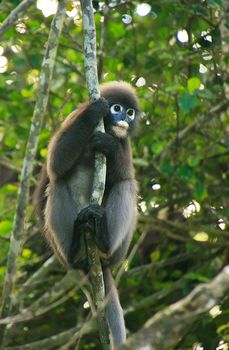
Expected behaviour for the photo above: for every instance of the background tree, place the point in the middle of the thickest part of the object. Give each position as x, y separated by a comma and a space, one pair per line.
176, 54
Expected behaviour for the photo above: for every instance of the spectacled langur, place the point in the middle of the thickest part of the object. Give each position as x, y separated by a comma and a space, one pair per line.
64, 191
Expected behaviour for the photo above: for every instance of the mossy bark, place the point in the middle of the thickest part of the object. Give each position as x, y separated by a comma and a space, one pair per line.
96, 274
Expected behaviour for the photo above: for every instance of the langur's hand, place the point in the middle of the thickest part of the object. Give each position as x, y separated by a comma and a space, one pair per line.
100, 107
104, 143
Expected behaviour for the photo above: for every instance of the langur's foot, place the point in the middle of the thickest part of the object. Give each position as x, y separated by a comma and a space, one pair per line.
93, 219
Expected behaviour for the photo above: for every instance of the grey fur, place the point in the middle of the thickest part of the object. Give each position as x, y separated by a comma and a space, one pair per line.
113, 310
120, 207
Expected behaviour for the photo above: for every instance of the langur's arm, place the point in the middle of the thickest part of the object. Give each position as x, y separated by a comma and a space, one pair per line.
120, 200
67, 145
118, 154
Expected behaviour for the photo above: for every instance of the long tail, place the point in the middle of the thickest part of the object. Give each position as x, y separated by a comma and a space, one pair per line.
113, 311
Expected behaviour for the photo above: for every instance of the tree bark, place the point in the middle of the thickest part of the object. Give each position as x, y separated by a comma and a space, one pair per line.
96, 274
164, 330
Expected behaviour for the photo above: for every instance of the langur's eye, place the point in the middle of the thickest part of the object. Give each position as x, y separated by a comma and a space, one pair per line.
131, 113
116, 109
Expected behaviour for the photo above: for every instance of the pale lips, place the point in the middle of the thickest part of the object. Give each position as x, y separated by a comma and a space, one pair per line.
123, 124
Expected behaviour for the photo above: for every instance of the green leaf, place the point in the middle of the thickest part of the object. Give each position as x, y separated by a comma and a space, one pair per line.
193, 161
70, 6
163, 33
193, 84
176, 87
27, 93
166, 168
157, 147
194, 276
155, 256
10, 141
187, 102
184, 172
215, 3
200, 191
5, 227
27, 253
43, 152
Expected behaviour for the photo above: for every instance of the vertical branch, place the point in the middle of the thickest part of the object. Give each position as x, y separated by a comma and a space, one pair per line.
90, 49
96, 273
16, 240
103, 37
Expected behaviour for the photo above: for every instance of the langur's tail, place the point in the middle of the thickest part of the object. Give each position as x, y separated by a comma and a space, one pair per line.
113, 310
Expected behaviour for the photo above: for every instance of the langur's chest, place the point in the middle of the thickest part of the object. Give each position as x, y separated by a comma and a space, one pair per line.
81, 179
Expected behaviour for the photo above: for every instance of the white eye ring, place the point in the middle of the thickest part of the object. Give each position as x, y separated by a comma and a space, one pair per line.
116, 108
131, 113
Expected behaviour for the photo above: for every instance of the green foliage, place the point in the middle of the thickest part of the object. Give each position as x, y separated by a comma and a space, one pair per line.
180, 155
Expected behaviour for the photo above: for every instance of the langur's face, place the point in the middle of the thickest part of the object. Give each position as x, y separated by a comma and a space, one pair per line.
121, 119
124, 111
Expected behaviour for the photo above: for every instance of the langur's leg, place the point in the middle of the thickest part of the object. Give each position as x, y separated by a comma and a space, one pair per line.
93, 219
113, 224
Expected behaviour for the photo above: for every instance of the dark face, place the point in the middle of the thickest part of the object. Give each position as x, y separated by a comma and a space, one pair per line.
123, 108
121, 119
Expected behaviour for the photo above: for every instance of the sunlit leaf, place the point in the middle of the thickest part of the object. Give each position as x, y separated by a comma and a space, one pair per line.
27, 93
156, 147
26, 253
193, 161
5, 227
10, 141
43, 152
193, 84
155, 256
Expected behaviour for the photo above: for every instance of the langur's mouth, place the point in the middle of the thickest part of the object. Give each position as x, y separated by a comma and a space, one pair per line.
120, 129
123, 124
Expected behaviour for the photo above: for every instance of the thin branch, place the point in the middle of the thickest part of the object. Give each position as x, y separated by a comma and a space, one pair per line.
37, 276
103, 37
89, 326
56, 340
7, 163
49, 299
22, 7
130, 257
76, 337
148, 301
30, 314
161, 264
96, 274
164, 330
214, 112
17, 238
